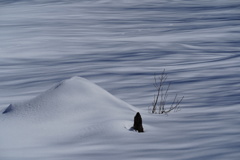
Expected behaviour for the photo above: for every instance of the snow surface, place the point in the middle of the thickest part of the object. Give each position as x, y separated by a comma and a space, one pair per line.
119, 45
78, 119
72, 114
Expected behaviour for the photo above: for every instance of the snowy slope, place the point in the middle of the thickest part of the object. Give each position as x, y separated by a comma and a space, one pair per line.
74, 111
119, 45
77, 119
70, 96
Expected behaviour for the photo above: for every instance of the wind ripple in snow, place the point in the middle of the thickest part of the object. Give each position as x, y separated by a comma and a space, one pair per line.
120, 45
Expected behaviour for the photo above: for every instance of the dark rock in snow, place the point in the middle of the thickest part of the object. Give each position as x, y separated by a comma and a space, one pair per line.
8, 109
138, 123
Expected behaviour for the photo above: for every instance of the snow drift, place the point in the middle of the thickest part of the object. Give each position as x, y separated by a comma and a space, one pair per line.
73, 111
75, 96
77, 119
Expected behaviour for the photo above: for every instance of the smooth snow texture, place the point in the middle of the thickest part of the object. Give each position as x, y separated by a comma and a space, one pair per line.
70, 96
74, 111
119, 45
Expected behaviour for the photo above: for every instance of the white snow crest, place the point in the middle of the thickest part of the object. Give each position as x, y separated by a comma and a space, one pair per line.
73, 96
73, 108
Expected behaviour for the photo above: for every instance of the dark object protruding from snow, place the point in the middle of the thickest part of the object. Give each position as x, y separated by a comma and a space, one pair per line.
138, 123
8, 109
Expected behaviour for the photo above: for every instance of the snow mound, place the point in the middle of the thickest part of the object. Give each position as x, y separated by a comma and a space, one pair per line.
75, 96
73, 111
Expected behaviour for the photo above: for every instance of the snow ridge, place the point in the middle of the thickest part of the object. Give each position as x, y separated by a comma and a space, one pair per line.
73, 108
73, 96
